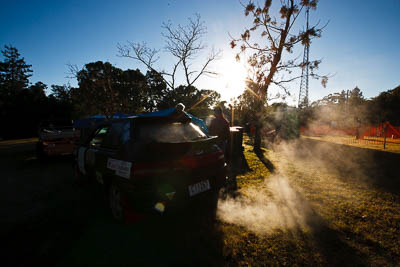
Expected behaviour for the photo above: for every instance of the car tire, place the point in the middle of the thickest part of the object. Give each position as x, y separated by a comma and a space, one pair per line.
117, 206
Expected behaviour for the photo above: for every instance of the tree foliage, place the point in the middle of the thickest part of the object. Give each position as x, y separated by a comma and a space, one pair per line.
250, 106
386, 107
156, 92
198, 102
349, 109
14, 72
106, 89
102, 89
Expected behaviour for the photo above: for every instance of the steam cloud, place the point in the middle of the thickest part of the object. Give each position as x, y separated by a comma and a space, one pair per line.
275, 206
333, 172
337, 173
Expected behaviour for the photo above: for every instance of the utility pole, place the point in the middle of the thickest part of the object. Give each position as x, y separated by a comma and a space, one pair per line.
303, 94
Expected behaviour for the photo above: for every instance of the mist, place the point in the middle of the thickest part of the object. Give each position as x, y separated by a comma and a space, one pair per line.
274, 205
307, 167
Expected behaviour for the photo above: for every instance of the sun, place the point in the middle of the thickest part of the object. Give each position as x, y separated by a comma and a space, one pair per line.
230, 82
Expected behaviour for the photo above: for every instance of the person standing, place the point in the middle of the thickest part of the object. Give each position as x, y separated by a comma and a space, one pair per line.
220, 127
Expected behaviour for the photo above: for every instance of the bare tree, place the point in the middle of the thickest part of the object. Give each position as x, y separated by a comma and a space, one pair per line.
275, 36
184, 43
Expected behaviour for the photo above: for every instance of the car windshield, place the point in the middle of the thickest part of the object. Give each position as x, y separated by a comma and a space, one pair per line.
171, 132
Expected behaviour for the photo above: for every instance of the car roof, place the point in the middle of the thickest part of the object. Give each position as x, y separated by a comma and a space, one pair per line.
182, 117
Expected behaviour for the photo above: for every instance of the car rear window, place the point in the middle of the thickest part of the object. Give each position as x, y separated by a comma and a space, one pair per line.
176, 132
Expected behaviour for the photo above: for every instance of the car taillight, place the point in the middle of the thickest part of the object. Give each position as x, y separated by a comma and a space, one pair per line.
150, 169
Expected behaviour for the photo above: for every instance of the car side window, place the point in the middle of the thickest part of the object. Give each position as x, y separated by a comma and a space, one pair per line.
119, 134
99, 137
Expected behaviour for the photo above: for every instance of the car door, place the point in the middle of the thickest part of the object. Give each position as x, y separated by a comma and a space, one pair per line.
87, 155
111, 161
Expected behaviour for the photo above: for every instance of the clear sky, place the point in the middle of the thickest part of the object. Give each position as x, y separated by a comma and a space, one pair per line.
359, 47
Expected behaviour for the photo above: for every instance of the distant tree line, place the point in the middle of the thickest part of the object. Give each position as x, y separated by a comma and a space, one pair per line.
351, 109
24, 105
102, 89
346, 109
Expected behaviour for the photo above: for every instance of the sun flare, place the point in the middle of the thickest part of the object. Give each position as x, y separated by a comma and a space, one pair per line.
231, 80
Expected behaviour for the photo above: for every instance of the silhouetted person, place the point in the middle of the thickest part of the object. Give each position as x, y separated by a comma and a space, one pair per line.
220, 127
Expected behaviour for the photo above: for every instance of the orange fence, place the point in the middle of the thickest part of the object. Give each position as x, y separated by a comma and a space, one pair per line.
381, 130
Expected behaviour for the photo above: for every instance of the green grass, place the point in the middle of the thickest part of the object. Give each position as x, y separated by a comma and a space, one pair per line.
343, 221
258, 171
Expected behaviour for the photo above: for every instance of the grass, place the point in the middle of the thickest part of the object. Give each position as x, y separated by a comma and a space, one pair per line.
258, 172
344, 220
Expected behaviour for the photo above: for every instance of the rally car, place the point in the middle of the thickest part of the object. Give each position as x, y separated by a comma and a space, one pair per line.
152, 163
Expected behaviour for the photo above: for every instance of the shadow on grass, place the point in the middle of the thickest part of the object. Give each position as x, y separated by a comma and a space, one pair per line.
375, 168
330, 244
267, 163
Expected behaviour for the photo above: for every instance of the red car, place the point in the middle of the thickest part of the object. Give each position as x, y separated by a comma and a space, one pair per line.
56, 138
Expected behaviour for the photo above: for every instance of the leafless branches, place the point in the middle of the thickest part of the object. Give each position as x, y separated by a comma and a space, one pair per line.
73, 70
184, 43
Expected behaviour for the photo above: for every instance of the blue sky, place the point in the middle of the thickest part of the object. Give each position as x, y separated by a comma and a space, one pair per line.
359, 47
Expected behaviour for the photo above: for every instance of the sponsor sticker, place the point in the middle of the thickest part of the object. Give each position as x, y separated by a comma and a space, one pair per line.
112, 164
121, 168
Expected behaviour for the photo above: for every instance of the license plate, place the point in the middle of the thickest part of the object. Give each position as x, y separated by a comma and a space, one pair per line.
198, 188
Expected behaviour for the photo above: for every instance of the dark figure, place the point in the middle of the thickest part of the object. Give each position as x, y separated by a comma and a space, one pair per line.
220, 127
